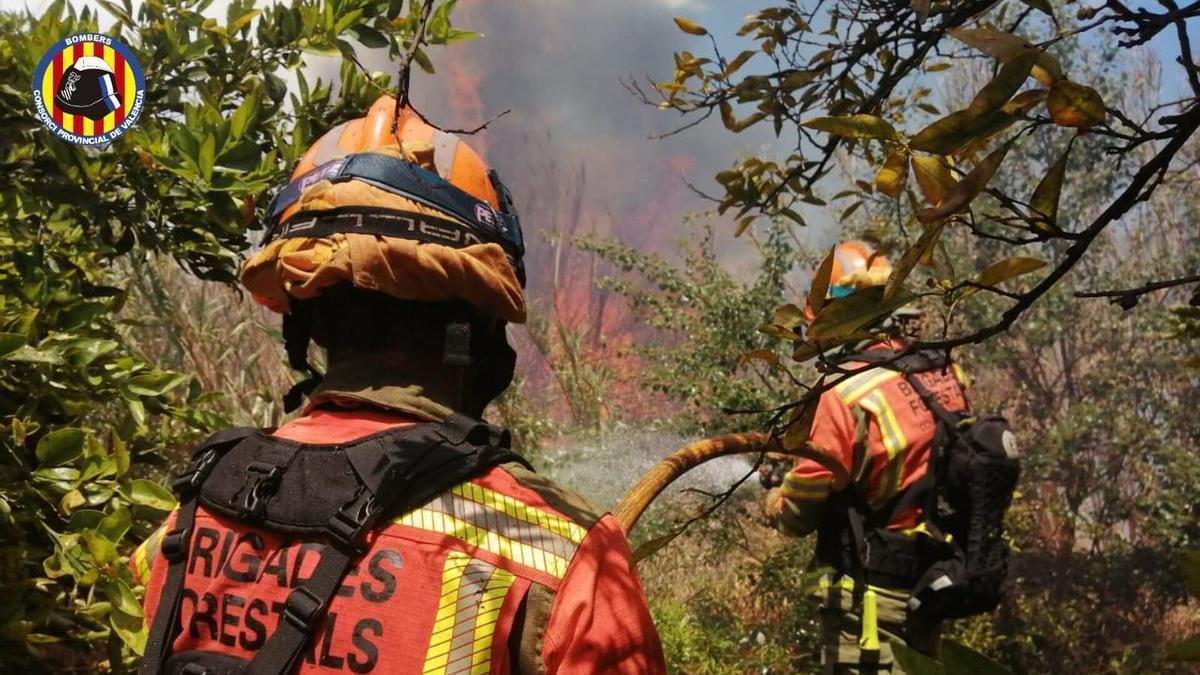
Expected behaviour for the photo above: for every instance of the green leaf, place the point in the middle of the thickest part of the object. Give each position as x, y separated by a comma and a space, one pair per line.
1046, 195
84, 519
27, 354
819, 289
244, 115
1024, 101
933, 178
916, 663
1188, 650
649, 548
81, 314
103, 550
131, 629
116, 524
244, 20
690, 27
911, 257
156, 383
370, 37
60, 446
121, 597
856, 311
148, 493
1007, 82
207, 156
1009, 268
948, 134
1004, 46
789, 316
967, 189
854, 126
423, 61
893, 174
961, 659
9, 342
276, 87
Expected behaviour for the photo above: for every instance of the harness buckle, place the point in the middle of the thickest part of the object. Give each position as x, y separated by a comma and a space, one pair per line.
261, 482
348, 527
301, 608
175, 544
189, 482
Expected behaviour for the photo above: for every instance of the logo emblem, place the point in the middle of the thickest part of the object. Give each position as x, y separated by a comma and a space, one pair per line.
485, 215
88, 89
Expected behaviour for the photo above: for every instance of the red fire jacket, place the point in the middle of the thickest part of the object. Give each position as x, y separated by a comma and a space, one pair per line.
876, 433
507, 573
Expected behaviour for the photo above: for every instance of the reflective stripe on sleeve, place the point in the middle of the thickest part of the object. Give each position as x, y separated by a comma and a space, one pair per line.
805, 489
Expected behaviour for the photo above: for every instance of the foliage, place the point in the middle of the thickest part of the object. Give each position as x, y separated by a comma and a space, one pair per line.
83, 416
705, 322
856, 78
751, 614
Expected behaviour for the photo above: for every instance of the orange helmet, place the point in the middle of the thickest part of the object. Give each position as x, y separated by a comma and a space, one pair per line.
388, 203
855, 265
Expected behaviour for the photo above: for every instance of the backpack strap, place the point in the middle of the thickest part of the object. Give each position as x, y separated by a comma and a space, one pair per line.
175, 546
860, 518
418, 465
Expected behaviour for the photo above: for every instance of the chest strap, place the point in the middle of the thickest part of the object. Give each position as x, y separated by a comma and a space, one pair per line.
175, 546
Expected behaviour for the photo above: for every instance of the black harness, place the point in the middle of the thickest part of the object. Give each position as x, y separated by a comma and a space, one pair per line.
336, 494
853, 537
958, 569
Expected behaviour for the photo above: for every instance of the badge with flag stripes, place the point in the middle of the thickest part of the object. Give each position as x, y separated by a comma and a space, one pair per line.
88, 89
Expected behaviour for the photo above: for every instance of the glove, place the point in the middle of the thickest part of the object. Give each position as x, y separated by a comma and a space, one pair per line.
771, 473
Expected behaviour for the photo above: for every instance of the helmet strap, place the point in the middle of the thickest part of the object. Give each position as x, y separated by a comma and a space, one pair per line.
297, 326
456, 355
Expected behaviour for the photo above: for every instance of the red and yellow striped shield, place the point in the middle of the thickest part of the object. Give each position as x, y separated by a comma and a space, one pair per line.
117, 83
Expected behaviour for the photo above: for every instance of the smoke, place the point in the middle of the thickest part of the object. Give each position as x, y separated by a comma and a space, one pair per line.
605, 472
558, 65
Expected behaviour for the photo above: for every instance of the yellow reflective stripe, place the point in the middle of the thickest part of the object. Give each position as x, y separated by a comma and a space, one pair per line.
894, 443
141, 564
473, 592
443, 624
807, 489
511, 507
805, 494
961, 376
847, 584
492, 542
862, 384
145, 553
485, 621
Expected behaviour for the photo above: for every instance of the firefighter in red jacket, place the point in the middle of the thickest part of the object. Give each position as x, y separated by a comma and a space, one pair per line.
397, 250
872, 435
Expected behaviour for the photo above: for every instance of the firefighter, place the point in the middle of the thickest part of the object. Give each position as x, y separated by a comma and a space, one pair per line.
872, 438
388, 530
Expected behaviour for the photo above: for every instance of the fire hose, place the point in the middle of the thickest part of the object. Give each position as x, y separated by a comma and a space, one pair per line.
680, 462
657, 479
